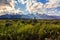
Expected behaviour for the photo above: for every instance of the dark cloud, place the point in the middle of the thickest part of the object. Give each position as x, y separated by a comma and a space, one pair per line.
5, 2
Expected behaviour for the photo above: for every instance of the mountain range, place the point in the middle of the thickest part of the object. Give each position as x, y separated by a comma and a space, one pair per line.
28, 16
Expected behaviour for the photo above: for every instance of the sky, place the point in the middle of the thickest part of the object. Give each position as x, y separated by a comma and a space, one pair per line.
48, 7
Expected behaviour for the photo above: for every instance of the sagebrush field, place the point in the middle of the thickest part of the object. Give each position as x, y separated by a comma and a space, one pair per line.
29, 29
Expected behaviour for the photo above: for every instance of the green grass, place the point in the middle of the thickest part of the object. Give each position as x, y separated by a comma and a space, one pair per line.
29, 29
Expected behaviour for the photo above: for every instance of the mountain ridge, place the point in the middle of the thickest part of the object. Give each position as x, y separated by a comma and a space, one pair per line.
29, 16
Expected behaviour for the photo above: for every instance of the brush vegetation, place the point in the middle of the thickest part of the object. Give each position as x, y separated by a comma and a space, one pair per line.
29, 29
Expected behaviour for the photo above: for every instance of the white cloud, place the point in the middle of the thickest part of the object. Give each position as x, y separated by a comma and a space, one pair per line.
52, 4
8, 6
37, 7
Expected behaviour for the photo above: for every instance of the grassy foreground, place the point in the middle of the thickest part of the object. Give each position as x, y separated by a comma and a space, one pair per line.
29, 29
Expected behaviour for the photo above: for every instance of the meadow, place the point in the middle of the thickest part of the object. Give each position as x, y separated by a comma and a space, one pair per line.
29, 29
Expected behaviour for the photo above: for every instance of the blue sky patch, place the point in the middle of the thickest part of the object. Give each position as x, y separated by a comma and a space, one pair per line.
42, 1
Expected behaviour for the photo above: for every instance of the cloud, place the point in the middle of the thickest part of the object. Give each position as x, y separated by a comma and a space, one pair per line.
52, 4
5, 3
8, 6
37, 7
32, 6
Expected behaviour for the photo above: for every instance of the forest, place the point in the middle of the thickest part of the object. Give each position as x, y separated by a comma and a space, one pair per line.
29, 29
